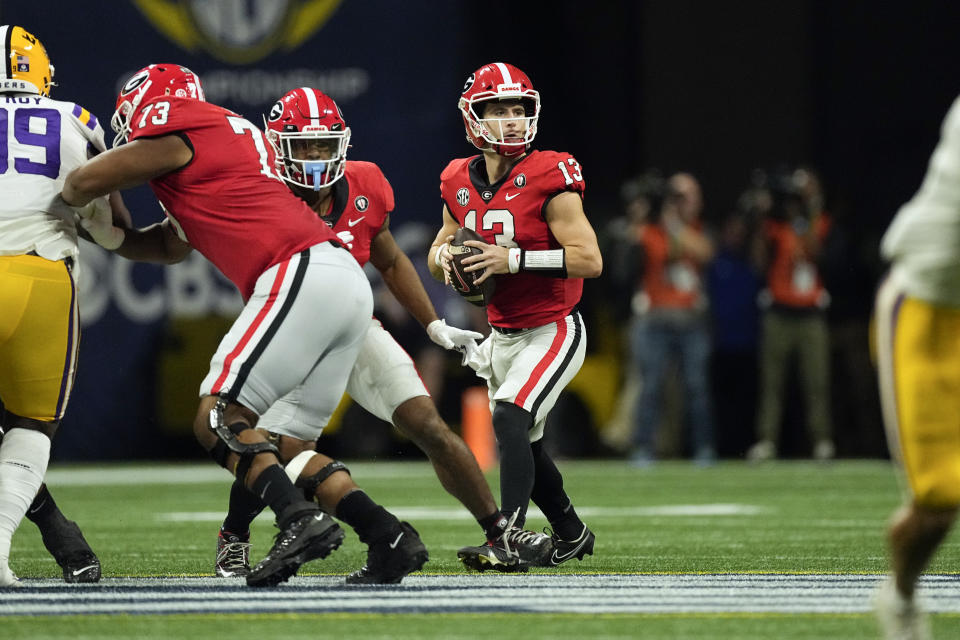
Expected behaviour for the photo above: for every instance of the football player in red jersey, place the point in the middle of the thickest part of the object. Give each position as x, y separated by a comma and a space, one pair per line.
310, 136
307, 302
528, 207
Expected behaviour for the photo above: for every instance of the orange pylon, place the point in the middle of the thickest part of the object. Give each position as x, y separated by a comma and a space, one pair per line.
478, 427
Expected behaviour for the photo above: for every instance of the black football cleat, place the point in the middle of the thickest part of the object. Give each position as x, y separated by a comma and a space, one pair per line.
392, 558
65, 542
311, 536
564, 550
233, 555
514, 552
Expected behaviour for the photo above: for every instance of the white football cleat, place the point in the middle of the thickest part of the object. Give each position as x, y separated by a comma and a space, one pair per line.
900, 619
8, 578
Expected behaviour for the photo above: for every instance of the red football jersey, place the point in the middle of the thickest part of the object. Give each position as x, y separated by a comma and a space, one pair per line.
362, 199
228, 202
510, 213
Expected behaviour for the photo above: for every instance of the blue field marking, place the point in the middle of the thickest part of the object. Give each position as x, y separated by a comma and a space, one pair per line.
579, 594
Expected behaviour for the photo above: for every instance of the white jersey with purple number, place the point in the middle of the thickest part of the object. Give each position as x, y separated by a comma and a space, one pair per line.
41, 141
923, 241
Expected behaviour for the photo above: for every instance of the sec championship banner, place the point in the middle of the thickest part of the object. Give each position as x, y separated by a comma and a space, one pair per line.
149, 331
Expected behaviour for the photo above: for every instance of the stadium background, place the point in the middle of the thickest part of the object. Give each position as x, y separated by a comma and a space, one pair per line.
856, 89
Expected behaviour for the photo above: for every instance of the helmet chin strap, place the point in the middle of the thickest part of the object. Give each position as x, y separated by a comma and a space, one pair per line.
509, 151
315, 168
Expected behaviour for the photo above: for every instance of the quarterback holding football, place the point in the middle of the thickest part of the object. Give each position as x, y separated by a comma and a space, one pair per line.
538, 246
354, 198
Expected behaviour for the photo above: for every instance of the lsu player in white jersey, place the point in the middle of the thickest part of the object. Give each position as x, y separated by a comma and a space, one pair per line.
918, 347
41, 141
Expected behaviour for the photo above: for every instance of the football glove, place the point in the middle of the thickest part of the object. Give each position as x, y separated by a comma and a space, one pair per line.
96, 218
453, 338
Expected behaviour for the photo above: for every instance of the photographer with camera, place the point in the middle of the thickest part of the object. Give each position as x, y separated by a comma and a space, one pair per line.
671, 320
794, 305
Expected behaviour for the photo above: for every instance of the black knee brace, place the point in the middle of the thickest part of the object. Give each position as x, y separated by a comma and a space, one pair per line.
227, 441
309, 485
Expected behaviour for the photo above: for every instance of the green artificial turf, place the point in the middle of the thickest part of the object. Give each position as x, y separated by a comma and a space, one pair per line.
453, 626
787, 517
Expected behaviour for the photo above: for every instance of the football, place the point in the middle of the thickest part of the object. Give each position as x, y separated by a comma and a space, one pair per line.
463, 281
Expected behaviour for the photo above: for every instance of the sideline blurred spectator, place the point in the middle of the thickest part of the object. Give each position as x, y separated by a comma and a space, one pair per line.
733, 284
671, 319
621, 271
851, 267
794, 307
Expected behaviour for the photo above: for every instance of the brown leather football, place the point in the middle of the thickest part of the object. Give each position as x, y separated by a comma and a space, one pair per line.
463, 281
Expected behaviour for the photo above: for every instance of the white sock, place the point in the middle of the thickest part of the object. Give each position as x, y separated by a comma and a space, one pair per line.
24, 455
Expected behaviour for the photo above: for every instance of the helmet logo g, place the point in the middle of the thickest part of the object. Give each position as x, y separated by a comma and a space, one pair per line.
469, 82
276, 111
135, 81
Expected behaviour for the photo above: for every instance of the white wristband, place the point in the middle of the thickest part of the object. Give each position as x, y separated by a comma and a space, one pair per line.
548, 259
436, 257
513, 259
550, 262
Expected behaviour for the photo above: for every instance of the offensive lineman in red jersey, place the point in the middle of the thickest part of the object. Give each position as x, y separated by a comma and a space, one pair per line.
215, 176
528, 206
308, 132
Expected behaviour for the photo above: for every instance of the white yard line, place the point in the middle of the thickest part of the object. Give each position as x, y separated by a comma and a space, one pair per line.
192, 473
585, 594
445, 513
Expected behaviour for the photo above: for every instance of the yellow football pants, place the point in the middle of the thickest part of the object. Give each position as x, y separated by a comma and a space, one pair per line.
918, 349
39, 334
